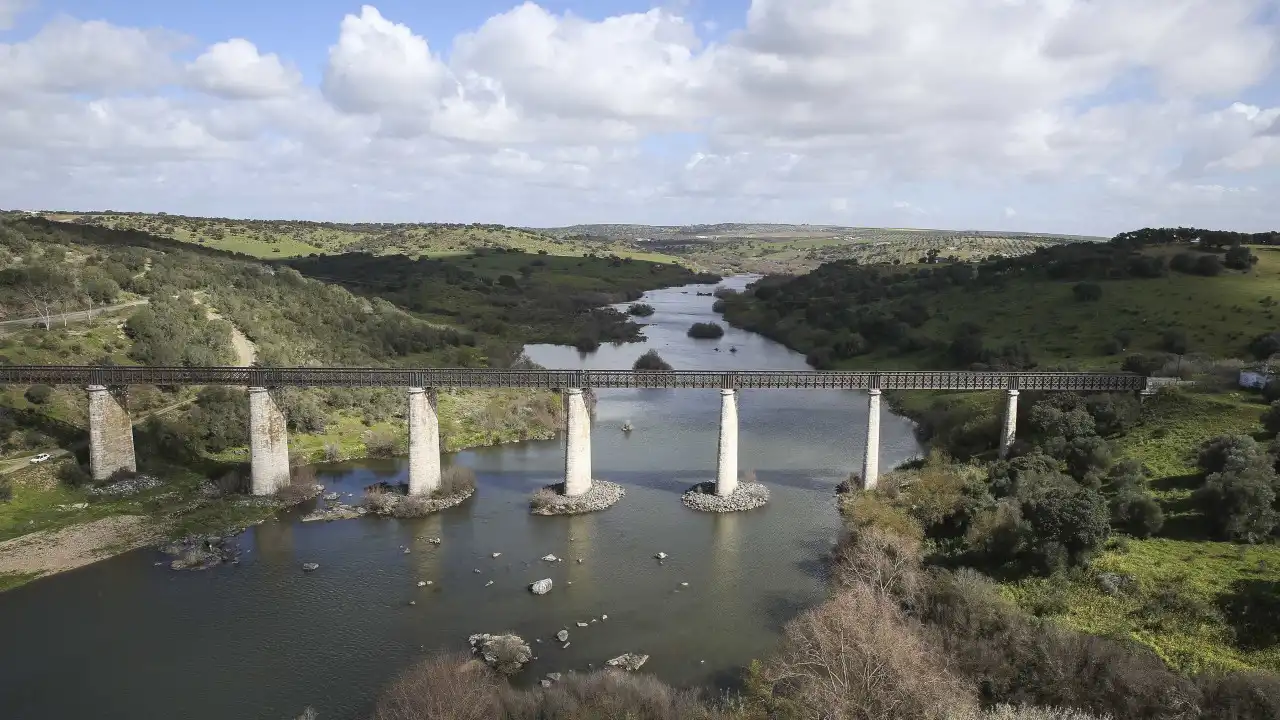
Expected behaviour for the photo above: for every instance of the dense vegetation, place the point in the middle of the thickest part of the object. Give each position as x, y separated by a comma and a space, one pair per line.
651, 361
507, 294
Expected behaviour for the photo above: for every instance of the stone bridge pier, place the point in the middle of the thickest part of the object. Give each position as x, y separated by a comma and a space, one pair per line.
110, 433
268, 443
424, 441
577, 451
871, 453
727, 455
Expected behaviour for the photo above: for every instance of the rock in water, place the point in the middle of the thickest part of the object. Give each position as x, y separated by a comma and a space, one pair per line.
504, 653
545, 683
550, 558
497, 554
582, 624
661, 556
541, 587
308, 567
629, 661
563, 636
422, 583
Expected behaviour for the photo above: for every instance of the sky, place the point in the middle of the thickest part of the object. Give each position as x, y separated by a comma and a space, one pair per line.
1066, 116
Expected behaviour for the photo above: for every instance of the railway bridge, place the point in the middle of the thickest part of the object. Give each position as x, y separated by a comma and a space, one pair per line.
111, 447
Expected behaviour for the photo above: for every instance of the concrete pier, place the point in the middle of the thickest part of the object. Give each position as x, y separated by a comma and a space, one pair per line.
268, 443
577, 451
110, 434
727, 464
871, 456
1009, 430
424, 441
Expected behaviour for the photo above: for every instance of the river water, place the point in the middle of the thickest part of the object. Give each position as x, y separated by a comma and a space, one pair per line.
125, 638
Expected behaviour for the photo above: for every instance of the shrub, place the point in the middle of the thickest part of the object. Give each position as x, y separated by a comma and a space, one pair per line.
1208, 265
380, 501
856, 656
604, 694
868, 509
651, 361
38, 394
706, 331
1240, 695
718, 306
232, 482
1183, 262
1238, 257
449, 687
886, 562
302, 487
1137, 514
456, 480
381, 442
1087, 292
74, 474
6, 491
640, 310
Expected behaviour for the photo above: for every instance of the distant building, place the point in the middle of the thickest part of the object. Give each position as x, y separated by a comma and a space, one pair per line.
1256, 377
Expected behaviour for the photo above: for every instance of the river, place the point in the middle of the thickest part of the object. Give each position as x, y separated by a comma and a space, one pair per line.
125, 638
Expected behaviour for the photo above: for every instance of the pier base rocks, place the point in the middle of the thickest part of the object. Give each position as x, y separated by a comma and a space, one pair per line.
550, 500
747, 496
504, 653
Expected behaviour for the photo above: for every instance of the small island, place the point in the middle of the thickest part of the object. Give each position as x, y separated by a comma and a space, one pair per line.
706, 331
651, 361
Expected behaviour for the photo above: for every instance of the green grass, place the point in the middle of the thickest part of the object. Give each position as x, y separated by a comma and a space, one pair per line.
1195, 640
9, 581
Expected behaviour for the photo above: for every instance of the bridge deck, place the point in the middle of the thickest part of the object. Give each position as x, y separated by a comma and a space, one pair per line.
121, 375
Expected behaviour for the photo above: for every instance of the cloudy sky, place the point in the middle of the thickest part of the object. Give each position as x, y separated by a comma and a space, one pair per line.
1075, 116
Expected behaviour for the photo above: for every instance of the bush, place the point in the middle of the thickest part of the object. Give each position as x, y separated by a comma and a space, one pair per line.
865, 510
651, 361
449, 687
456, 480
640, 310
1087, 292
6, 491
1240, 695
1238, 257
1183, 262
380, 501
706, 331
74, 474
886, 562
1174, 340
1137, 514
856, 656
605, 694
381, 442
1208, 265
38, 394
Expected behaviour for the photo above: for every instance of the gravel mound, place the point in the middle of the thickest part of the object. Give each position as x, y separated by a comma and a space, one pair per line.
549, 500
747, 496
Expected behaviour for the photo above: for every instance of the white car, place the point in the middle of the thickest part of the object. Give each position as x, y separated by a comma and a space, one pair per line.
40, 458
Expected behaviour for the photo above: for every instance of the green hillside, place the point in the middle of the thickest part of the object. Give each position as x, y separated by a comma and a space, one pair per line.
273, 239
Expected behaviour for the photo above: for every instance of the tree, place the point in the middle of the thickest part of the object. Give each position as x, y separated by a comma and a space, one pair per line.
1271, 418
1183, 262
640, 310
1174, 340
1238, 505
99, 286
1087, 292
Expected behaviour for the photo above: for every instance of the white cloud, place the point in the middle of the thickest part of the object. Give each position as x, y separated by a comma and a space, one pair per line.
10, 9
234, 69
69, 56
1089, 115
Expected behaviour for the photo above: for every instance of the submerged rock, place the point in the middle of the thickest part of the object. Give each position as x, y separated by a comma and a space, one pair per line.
310, 567
201, 553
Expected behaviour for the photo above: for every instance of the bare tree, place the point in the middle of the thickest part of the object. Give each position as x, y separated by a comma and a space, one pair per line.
43, 304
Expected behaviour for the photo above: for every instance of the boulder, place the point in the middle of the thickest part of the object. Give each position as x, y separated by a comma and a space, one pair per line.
504, 653
550, 558
628, 661
541, 587
563, 636
308, 567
